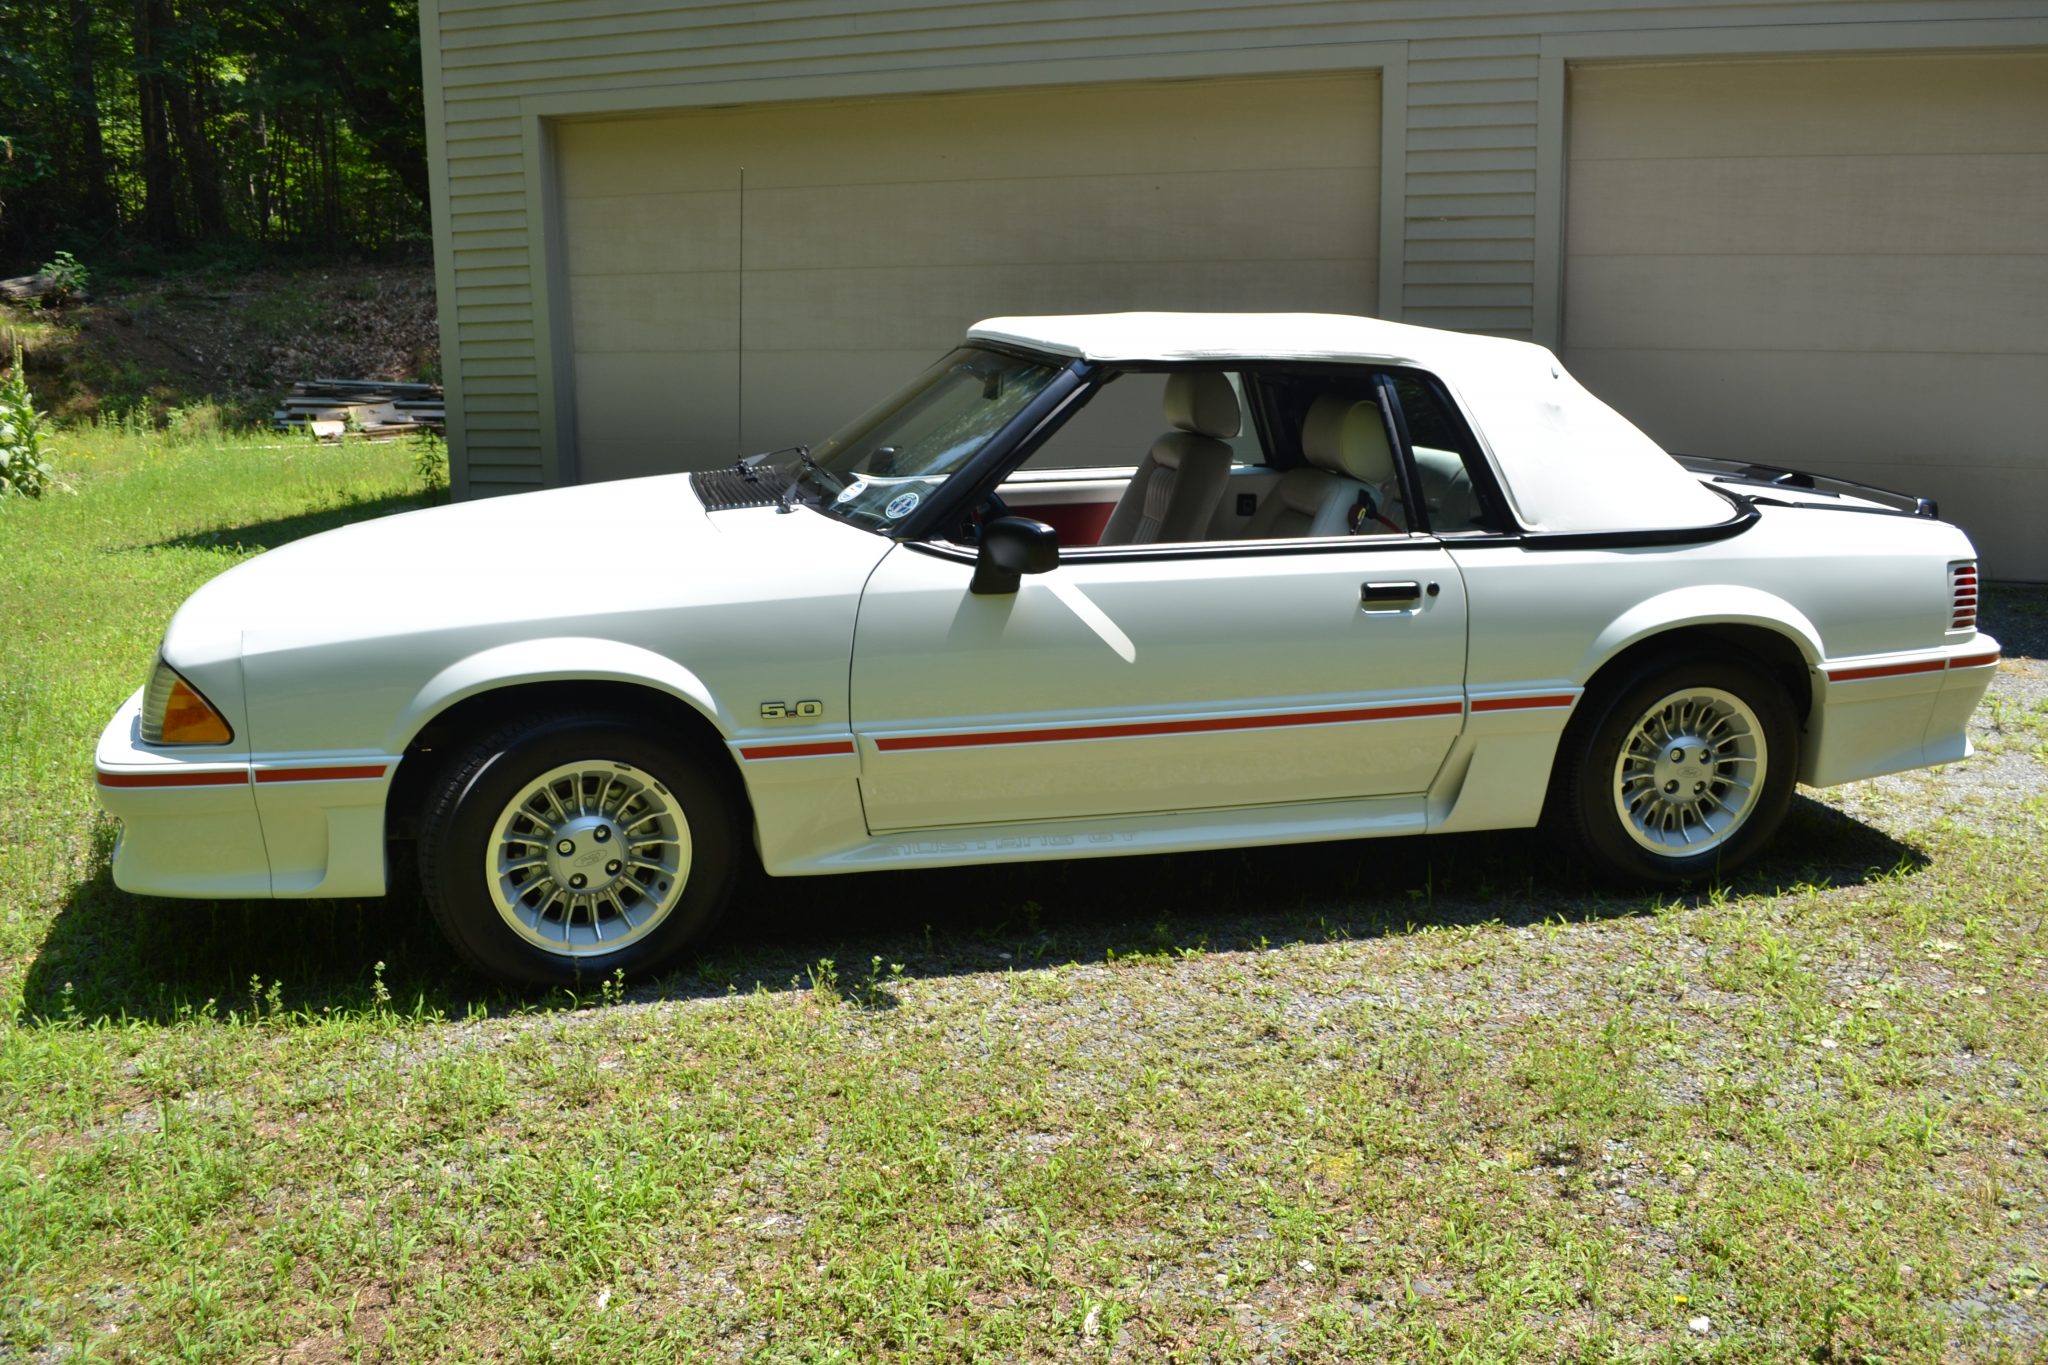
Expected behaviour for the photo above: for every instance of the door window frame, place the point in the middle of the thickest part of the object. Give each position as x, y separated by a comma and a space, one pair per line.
1010, 449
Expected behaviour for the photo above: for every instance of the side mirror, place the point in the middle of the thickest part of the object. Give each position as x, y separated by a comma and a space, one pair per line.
1010, 548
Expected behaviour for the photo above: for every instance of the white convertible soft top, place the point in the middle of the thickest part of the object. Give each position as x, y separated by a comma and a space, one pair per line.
1570, 462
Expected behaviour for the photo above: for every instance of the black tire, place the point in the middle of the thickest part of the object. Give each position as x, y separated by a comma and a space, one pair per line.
458, 830
1586, 813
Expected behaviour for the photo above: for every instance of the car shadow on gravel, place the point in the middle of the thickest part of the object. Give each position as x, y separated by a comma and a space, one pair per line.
2017, 614
111, 954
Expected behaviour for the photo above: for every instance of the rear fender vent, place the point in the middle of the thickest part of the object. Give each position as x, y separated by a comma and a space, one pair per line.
722, 490
1962, 585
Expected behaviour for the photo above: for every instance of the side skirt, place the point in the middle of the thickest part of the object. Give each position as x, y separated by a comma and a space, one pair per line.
1165, 832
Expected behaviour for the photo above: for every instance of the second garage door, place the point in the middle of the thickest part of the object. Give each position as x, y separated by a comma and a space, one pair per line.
874, 233
1838, 265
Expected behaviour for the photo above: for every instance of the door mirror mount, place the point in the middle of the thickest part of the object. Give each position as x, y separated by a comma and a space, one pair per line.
1010, 548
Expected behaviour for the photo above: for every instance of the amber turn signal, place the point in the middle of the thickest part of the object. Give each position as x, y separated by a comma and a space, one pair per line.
190, 719
173, 712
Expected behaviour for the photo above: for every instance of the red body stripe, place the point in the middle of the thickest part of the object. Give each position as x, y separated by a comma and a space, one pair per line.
1886, 670
319, 774
1974, 660
1520, 703
239, 777
1145, 728
822, 747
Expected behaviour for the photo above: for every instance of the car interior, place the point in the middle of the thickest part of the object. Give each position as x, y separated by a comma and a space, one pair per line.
1248, 456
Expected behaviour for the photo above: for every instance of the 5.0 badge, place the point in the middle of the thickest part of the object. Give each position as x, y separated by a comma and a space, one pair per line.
802, 710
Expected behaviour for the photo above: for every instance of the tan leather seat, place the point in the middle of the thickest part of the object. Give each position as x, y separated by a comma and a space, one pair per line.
1178, 485
1348, 483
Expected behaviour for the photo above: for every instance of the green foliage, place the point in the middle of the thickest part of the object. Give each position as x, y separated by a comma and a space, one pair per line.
279, 122
23, 470
200, 421
67, 277
430, 459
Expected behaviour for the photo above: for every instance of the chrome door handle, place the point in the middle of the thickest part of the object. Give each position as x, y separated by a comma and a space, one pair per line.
1385, 596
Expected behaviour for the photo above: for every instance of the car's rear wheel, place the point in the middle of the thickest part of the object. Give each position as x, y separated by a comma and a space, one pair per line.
560, 850
1680, 770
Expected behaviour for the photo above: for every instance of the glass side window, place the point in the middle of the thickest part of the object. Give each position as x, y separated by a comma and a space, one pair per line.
1122, 421
879, 468
1153, 457
1444, 459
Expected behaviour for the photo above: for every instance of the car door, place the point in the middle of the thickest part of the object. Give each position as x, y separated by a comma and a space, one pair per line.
1137, 680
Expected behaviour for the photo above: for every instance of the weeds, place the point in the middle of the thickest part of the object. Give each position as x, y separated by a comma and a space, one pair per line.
64, 280
24, 469
429, 459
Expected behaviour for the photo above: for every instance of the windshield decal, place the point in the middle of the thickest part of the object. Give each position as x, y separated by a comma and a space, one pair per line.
902, 505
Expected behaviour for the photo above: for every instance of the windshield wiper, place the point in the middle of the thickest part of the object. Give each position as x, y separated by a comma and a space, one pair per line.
787, 501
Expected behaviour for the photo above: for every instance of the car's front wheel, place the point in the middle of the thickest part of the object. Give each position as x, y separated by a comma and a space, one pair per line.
1682, 770
559, 850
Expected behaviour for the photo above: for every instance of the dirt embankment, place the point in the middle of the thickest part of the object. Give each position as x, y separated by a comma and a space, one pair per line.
236, 339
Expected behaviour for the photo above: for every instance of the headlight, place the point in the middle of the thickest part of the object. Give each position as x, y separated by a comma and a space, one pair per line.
173, 712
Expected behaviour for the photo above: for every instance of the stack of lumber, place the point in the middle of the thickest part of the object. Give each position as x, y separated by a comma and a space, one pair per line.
370, 408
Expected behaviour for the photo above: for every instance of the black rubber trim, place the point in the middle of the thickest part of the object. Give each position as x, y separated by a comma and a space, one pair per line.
1746, 517
1236, 549
1414, 507
1628, 540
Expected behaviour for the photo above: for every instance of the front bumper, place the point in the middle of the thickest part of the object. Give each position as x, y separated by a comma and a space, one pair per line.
1891, 713
202, 823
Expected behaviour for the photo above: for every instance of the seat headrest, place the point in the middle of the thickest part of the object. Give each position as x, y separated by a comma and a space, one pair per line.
1346, 436
1204, 404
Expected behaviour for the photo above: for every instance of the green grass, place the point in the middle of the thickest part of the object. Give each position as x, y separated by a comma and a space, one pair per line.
1413, 1100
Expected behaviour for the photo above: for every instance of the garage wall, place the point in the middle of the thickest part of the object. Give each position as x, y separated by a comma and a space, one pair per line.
1472, 167
1835, 264
876, 232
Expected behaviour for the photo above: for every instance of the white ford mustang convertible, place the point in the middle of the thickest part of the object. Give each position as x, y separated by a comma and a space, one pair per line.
1090, 585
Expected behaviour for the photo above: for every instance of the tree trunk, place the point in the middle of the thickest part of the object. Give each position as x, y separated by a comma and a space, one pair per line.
159, 169
85, 100
260, 182
202, 170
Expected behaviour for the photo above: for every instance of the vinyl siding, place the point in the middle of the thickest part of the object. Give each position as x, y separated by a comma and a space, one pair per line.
1468, 218
1834, 264
1471, 183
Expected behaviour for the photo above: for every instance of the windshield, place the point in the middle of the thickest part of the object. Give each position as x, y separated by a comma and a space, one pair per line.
876, 470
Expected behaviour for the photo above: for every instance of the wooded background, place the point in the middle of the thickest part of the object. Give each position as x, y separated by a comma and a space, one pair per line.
180, 122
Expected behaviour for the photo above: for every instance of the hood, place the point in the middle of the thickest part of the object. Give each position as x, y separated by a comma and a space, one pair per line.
582, 554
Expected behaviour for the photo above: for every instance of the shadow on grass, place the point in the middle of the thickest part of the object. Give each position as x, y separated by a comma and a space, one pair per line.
268, 535
151, 960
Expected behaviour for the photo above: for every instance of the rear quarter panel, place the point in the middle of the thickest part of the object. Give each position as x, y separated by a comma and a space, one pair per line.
1837, 584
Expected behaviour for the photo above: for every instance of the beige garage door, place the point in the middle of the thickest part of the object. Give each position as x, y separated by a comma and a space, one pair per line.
876, 232
1840, 265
